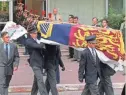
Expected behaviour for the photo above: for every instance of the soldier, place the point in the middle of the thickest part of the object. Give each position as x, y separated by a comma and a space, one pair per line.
51, 58
89, 68
35, 50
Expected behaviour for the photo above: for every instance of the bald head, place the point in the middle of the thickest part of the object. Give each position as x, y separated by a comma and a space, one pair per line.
55, 11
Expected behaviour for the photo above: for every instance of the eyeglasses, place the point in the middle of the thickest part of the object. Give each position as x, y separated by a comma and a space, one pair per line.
7, 37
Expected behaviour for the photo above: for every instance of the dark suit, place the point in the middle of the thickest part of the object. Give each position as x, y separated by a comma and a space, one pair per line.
71, 52
58, 62
52, 60
124, 88
105, 84
90, 71
49, 59
36, 62
6, 66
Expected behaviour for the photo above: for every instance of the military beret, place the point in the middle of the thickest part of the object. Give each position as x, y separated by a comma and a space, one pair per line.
91, 39
32, 29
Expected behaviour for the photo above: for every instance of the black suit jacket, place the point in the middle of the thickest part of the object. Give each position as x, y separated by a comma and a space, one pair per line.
87, 67
106, 70
58, 57
35, 52
52, 57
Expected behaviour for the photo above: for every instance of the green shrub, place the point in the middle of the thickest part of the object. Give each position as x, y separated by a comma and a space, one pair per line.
115, 19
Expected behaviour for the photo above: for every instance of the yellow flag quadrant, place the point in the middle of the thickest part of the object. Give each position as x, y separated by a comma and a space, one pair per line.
49, 31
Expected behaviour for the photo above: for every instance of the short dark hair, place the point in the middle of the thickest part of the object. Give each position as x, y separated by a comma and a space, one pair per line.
105, 20
71, 16
75, 17
4, 33
95, 18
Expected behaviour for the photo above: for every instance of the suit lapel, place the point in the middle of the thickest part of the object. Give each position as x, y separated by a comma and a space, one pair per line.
97, 59
33, 40
11, 50
3, 51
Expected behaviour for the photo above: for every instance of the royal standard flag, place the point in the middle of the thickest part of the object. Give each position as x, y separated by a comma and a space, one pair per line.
109, 41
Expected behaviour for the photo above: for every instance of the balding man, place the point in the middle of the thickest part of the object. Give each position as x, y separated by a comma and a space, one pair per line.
55, 16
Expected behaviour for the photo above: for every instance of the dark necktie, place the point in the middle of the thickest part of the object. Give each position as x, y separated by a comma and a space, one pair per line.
94, 54
7, 50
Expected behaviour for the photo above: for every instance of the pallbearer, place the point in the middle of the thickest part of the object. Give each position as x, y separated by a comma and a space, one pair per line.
89, 67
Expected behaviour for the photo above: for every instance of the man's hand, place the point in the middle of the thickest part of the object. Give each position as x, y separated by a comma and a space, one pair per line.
63, 68
81, 80
42, 45
15, 68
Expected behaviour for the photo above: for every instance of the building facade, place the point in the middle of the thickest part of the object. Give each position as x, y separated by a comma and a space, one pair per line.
84, 9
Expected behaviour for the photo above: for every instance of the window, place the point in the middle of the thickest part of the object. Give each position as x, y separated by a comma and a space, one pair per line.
4, 11
116, 5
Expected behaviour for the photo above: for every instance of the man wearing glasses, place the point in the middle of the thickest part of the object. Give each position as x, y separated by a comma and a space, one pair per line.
9, 61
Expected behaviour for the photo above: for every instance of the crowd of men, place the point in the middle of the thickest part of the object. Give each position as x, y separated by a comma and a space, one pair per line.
48, 57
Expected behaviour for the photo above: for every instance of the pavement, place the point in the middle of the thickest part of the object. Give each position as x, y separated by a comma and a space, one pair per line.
22, 79
117, 92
